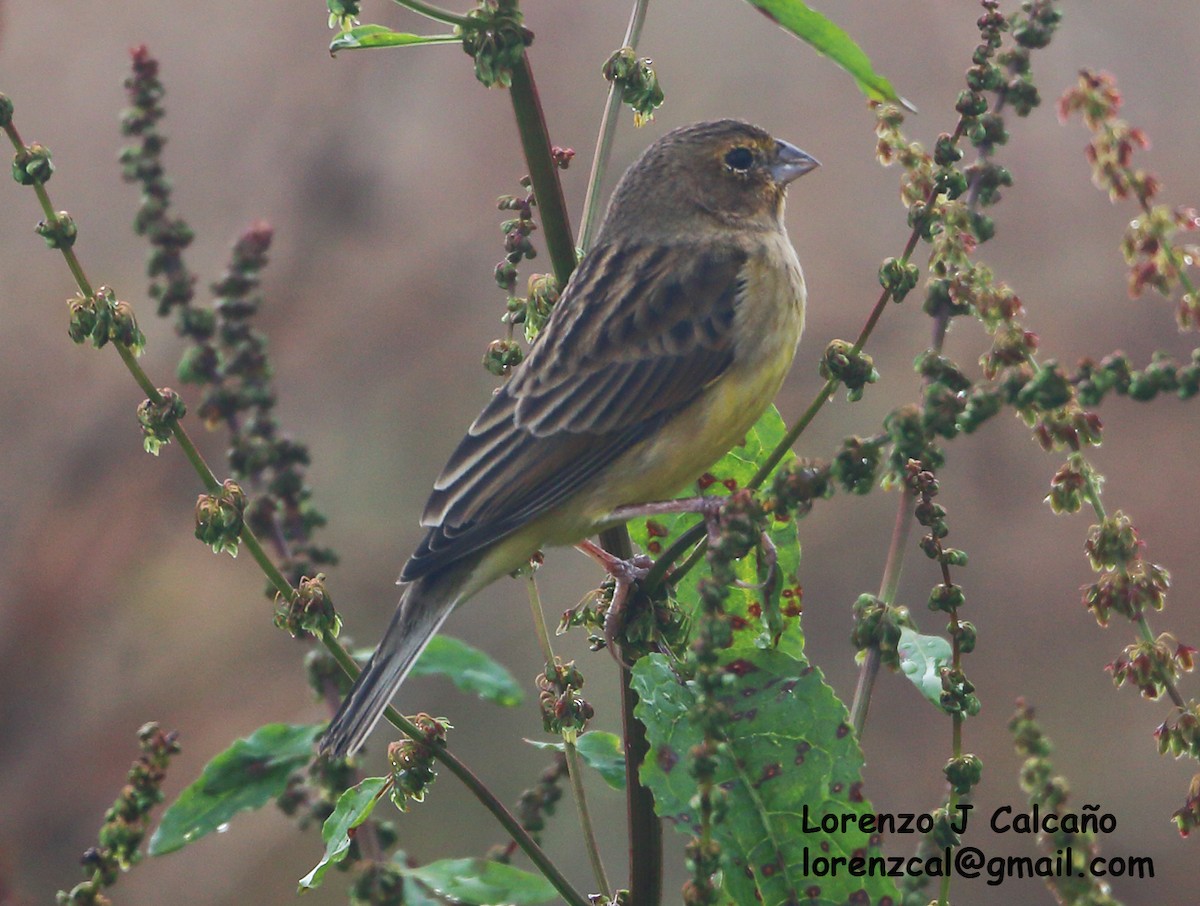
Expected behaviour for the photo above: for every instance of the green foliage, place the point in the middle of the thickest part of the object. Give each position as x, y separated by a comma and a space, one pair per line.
481, 882
366, 36
353, 808
246, 776
599, 750
470, 670
828, 39
922, 658
792, 749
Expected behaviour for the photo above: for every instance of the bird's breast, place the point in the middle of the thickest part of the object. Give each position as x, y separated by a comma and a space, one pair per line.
767, 327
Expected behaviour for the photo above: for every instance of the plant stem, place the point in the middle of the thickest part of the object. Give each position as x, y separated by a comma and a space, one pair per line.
869, 670
471, 782
645, 830
539, 620
433, 12
547, 188
574, 765
608, 129
575, 773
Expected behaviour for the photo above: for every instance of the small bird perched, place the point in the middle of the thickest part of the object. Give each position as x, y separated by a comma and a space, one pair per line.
671, 338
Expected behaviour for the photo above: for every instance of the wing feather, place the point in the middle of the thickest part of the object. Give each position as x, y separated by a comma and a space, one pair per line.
637, 335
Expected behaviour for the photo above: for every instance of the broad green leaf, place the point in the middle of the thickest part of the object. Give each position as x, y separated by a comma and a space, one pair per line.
790, 754
479, 882
364, 36
827, 39
247, 775
745, 605
353, 808
470, 669
922, 658
598, 750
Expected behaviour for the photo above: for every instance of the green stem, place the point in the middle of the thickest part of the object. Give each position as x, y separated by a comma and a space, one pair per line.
539, 620
547, 188
1091, 493
608, 129
471, 782
574, 765
433, 12
575, 774
869, 670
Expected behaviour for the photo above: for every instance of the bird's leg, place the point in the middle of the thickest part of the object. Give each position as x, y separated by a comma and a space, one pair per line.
771, 559
708, 507
625, 573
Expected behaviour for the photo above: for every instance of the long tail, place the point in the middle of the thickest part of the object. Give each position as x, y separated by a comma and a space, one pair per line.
423, 608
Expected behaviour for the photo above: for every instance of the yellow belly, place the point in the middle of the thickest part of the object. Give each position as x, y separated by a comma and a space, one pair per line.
768, 325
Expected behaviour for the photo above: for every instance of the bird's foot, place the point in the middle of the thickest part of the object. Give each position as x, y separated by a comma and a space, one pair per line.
625, 573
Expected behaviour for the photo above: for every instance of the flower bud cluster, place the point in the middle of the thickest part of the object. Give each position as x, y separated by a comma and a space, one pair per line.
1152, 666
532, 311
637, 81
1094, 380
1049, 793
534, 805
412, 762
126, 822
171, 283
877, 624
1187, 817
310, 612
102, 318
343, 14
158, 418
849, 366
797, 485
495, 38
737, 531
1151, 244
220, 517
564, 710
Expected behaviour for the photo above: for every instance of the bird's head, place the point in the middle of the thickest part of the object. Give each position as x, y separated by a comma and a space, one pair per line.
720, 173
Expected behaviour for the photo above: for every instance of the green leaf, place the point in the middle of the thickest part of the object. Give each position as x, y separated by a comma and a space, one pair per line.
745, 604
791, 748
827, 39
479, 882
470, 669
364, 36
922, 658
247, 775
598, 750
353, 808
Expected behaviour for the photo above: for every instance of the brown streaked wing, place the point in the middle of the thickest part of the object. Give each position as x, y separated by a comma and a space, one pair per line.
638, 334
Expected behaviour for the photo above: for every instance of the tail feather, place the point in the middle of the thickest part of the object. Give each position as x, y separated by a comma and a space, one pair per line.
423, 608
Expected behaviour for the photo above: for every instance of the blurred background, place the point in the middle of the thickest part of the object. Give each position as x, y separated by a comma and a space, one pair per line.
379, 172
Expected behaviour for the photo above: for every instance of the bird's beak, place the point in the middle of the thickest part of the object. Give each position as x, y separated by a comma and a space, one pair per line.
790, 163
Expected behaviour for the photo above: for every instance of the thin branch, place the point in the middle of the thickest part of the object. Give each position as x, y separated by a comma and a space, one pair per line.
608, 129
430, 11
547, 188
574, 765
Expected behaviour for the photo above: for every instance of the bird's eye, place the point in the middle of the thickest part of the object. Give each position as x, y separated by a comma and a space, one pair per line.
739, 159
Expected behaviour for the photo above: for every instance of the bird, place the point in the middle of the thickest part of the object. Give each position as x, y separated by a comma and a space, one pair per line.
670, 339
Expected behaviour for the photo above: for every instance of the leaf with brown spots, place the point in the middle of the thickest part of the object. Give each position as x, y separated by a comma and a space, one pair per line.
780, 626
788, 748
